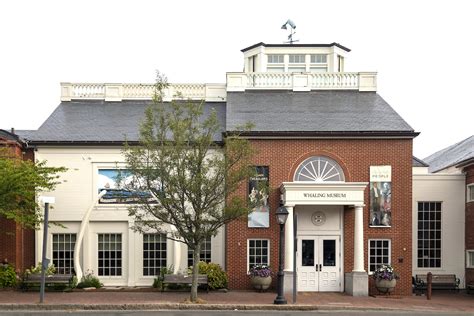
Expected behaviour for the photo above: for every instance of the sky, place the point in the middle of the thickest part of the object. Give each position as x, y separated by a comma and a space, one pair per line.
422, 50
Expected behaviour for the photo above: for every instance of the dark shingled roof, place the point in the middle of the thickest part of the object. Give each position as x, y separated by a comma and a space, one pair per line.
453, 155
418, 162
100, 121
343, 112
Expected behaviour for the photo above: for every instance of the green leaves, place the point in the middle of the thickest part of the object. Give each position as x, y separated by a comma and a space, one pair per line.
19, 181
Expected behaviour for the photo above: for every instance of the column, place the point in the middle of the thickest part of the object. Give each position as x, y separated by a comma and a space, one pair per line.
358, 240
289, 249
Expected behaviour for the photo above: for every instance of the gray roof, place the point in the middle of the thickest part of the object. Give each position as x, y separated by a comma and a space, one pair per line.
100, 121
418, 162
315, 111
452, 155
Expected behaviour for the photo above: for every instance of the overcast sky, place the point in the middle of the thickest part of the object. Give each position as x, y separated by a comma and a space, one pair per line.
422, 50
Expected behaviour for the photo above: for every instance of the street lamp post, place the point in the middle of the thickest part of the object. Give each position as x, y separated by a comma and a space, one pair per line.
44, 260
281, 215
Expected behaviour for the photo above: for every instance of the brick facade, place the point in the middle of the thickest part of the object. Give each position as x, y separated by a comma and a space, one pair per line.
355, 157
17, 245
469, 170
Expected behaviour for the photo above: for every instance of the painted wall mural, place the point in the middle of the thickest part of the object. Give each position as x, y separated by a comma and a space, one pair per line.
115, 182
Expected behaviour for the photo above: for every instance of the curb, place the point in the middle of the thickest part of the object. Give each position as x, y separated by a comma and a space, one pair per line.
182, 306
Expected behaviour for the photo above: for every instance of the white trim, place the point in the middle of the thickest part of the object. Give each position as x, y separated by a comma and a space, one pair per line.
368, 251
469, 263
248, 250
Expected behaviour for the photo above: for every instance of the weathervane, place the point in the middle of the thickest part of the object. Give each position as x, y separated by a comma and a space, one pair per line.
292, 30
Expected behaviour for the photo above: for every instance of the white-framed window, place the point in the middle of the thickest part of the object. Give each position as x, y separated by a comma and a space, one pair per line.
275, 59
154, 254
110, 254
470, 258
205, 254
319, 169
429, 235
379, 253
297, 58
470, 192
319, 58
258, 252
63, 253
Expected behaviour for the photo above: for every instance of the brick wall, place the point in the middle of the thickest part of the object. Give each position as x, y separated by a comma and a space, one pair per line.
355, 157
469, 222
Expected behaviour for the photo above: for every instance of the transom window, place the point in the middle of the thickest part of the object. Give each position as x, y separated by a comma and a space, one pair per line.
379, 253
275, 59
318, 59
319, 169
429, 235
154, 253
205, 254
297, 59
63, 253
110, 254
258, 252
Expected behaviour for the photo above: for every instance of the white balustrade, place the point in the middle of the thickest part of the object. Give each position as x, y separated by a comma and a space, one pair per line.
140, 91
366, 81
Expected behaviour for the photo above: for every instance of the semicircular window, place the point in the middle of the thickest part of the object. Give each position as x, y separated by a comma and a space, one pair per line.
319, 169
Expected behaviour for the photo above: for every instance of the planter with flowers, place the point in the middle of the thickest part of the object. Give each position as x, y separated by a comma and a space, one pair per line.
385, 278
260, 277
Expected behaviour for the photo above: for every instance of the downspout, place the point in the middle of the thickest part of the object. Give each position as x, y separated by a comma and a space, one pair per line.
82, 229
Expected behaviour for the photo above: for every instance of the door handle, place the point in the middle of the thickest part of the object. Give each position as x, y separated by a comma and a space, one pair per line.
317, 267
320, 267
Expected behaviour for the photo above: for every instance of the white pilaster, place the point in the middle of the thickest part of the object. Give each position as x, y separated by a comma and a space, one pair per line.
289, 250
358, 240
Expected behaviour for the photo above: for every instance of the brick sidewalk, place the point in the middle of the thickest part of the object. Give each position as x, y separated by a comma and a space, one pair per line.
441, 301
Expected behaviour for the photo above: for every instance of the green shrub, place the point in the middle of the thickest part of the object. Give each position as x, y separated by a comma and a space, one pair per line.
73, 282
7, 276
89, 280
159, 278
37, 270
216, 277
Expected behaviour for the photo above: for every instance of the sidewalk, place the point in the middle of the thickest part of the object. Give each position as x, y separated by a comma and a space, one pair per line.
240, 300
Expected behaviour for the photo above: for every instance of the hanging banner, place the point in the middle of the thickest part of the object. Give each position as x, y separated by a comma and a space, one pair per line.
115, 182
258, 195
380, 196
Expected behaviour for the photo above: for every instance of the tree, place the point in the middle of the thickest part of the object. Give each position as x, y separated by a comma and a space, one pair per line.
192, 177
20, 181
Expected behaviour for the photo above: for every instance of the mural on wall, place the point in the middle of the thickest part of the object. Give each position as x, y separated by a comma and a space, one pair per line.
115, 182
258, 195
380, 196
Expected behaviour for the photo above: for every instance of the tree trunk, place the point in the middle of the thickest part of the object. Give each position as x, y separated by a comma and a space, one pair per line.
194, 285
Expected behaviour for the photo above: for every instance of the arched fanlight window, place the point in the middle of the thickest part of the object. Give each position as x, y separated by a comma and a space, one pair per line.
319, 169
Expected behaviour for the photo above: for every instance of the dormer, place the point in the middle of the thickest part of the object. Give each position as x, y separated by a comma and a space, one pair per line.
295, 58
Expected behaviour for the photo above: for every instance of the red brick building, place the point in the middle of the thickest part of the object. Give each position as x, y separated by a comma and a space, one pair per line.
16, 243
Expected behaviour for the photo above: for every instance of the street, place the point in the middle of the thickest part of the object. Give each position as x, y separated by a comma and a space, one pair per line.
225, 313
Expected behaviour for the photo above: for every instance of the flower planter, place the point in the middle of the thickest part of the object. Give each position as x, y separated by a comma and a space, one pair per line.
385, 286
261, 283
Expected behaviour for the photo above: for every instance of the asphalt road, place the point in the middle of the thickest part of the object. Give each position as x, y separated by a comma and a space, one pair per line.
219, 313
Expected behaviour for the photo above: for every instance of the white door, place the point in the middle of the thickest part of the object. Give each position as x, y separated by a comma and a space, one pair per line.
319, 267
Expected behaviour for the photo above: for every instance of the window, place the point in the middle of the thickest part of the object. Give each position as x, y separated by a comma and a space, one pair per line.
470, 259
429, 235
154, 254
319, 169
470, 192
63, 253
205, 254
275, 59
379, 253
297, 59
110, 254
258, 252
318, 59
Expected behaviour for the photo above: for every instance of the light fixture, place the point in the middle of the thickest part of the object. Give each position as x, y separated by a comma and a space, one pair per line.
281, 216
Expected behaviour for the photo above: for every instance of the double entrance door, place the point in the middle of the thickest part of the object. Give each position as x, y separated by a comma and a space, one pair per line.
319, 266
